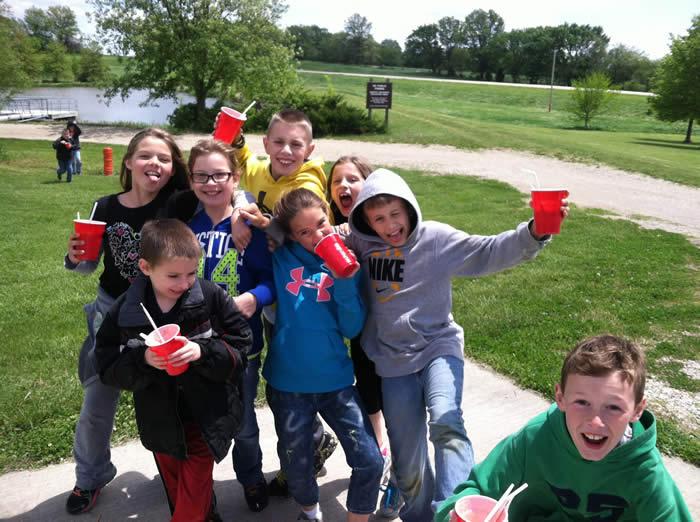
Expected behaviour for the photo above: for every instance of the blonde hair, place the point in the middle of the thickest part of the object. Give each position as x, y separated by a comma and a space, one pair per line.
292, 117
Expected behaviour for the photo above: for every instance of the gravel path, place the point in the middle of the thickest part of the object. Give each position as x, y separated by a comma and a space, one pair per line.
650, 202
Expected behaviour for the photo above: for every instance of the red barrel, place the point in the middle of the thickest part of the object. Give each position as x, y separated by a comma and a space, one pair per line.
108, 163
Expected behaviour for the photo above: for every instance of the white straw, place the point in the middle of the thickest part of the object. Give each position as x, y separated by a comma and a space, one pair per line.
501, 501
534, 175
92, 213
249, 106
153, 323
78, 214
516, 492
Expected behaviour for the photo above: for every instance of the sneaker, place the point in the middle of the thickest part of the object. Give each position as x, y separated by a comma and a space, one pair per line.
391, 502
324, 450
58, 176
278, 486
82, 500
257, 496
304, 516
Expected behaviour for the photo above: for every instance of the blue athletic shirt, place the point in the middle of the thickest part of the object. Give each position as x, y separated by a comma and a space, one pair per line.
247, 271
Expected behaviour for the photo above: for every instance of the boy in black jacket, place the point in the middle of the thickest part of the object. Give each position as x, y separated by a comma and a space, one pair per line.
64, 146
188, 420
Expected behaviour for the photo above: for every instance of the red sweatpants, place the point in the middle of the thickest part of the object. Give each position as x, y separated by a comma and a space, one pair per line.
189, 483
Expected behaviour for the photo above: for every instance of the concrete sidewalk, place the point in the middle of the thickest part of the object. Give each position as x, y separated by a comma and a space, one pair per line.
493, 408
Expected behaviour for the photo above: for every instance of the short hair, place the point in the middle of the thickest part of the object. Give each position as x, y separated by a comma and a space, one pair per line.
211, 146
292, 117
165, 239
381, 200
294, 201
604, 354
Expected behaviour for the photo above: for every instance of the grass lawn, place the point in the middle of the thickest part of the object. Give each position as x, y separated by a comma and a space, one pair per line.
484, 116
591, 279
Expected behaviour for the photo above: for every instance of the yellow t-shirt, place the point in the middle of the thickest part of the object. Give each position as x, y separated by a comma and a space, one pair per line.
256, 178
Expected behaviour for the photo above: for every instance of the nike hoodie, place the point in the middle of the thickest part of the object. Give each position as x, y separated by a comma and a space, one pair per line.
408, 289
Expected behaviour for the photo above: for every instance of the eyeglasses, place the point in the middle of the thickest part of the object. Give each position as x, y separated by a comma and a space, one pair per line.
217, 177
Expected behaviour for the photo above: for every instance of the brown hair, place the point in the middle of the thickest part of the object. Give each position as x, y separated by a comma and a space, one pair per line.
292, 117
164, 239
363, 167
292, 202
178, 180
211, 146
602, 355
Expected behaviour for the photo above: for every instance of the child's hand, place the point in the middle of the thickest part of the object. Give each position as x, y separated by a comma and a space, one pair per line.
355, 270
252, 214
216, 123
246, 303
564, 209
240, 232
75, 248
188, 353
157, 361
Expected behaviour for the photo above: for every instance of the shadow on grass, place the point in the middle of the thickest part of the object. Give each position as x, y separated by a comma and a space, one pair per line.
671, 144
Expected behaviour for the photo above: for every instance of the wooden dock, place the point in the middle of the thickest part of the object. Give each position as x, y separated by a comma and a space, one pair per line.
30, 109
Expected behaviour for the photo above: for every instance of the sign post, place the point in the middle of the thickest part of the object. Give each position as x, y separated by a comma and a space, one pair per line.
379, 97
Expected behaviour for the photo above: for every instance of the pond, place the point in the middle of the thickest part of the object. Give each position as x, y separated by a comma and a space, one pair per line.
93, 108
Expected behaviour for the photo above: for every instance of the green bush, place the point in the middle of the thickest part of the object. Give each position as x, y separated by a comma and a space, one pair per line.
183, 118
329, 113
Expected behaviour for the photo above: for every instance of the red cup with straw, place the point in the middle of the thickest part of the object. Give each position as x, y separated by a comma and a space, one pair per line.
229, 123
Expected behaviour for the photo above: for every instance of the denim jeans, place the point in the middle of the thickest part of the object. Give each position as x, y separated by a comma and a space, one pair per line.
246, 454
75, 160
294, 418
437, 390
67, 167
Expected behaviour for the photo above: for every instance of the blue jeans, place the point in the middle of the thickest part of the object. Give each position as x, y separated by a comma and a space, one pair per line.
67, 167
246, 454
75, 160
437, 389
294, 418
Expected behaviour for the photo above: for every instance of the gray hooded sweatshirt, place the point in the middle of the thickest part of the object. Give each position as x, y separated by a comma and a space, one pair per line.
409, 289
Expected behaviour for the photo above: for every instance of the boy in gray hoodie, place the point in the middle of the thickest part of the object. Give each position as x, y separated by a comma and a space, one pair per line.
410, 334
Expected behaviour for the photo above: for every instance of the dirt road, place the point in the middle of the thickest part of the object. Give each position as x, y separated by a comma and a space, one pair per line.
650, 202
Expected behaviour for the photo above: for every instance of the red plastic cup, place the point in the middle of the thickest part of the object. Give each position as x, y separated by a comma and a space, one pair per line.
336, 255
228, 125
91, 233
547, 206
168, 345
475, 508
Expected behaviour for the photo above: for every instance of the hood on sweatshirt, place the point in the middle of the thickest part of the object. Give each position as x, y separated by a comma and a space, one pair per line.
383, 182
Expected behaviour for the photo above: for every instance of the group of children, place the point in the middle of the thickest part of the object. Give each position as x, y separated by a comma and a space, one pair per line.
216, 279
67, 147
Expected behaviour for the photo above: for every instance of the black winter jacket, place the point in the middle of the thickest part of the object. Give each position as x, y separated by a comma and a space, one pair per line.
211, 387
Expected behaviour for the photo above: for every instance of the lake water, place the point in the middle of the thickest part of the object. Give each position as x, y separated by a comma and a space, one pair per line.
92, 107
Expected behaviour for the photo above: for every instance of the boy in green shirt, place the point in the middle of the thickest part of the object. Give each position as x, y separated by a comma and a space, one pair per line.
592, 456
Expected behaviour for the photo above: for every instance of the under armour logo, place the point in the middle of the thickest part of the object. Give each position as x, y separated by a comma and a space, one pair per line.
297, 275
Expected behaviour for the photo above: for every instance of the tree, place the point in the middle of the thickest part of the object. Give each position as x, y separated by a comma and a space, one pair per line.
230, 47
38, 25
390, 53
359, 39
19, 65
590, 97
677, 81
480, 28
451, 37
581, 50
57, 65
423, 48
64, 26
629, 68
310, 41
91, 67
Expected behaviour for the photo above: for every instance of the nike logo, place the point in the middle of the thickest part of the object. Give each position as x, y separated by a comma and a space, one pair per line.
380, 290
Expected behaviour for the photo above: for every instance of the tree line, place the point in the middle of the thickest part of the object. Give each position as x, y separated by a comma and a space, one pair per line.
479, 47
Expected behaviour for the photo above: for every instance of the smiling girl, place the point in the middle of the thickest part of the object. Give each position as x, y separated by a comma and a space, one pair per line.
151, 170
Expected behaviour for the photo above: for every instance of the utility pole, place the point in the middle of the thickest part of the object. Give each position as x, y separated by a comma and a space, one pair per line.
551, 82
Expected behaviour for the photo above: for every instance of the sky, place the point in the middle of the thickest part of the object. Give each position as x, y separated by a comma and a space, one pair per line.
642, 24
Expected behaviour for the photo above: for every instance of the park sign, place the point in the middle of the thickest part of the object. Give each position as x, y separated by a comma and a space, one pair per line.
378, 95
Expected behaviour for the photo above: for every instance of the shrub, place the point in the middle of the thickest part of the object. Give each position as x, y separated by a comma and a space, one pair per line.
329, 113
590, 97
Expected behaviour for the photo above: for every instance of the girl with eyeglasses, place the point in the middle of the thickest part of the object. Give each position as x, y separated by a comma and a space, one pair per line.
246, 276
